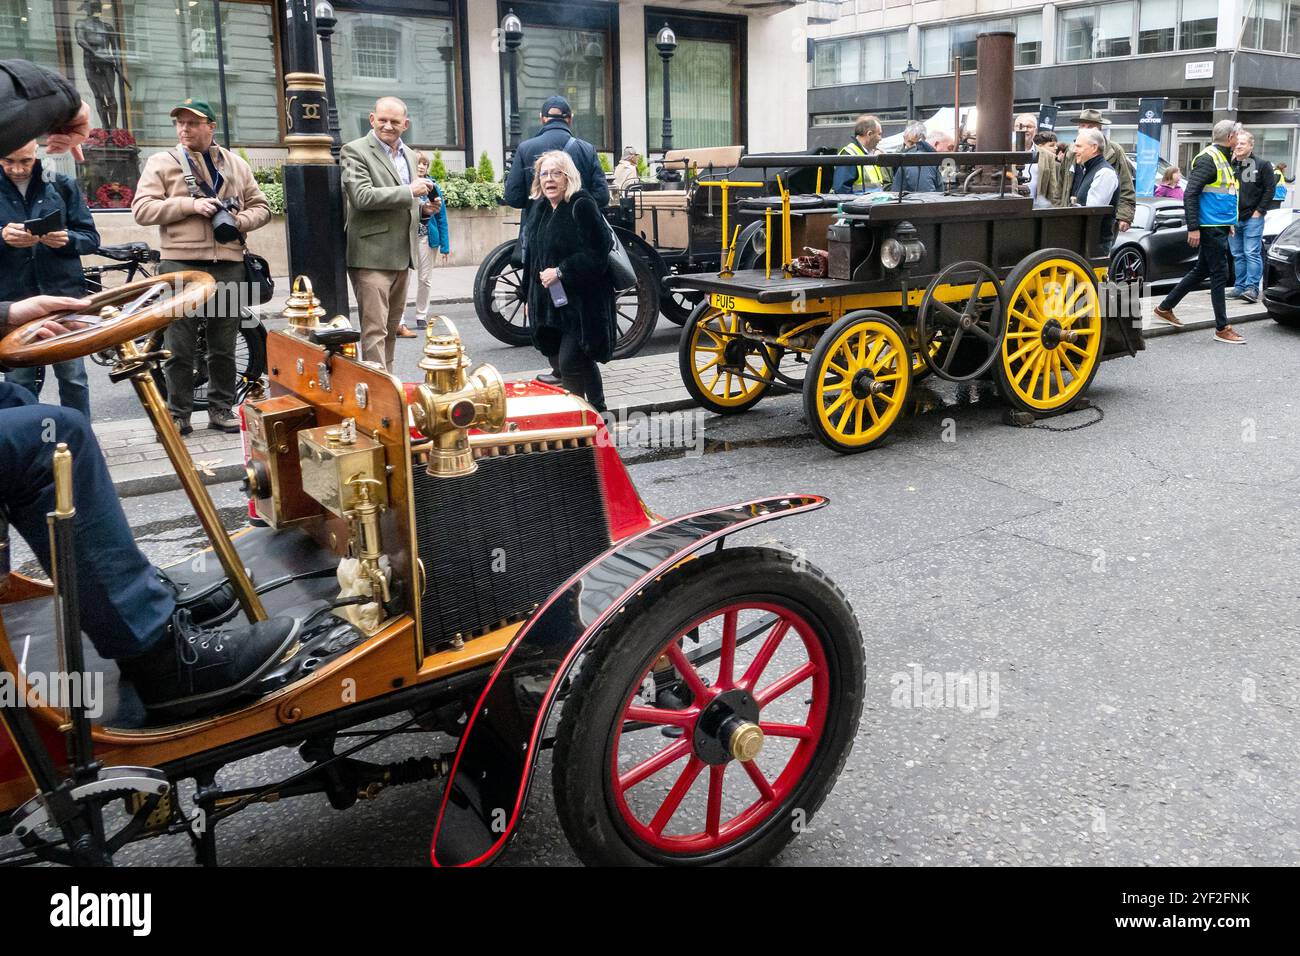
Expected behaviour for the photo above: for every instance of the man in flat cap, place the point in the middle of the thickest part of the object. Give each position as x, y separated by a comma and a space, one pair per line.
181, 190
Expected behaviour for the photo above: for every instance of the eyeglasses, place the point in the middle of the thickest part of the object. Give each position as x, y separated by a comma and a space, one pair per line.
552, 174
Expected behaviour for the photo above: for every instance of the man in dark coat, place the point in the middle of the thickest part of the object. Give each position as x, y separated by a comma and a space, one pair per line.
556, 133
48, 264
917, 179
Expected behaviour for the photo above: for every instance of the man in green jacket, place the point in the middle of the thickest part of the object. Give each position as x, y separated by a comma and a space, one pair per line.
384, 196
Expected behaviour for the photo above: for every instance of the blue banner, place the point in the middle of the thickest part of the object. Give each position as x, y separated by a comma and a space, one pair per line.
1151, 114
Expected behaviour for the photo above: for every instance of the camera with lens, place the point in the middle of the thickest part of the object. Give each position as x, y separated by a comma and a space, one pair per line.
224, 226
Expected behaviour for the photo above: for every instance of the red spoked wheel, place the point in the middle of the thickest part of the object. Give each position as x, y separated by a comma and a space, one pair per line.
712, 725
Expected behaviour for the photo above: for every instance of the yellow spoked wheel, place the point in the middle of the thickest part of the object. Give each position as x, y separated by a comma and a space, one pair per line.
719, 367
857, 380
919, 367
1052, 344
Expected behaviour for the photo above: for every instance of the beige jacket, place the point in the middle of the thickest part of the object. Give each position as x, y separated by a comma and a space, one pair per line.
383, 218
163, 200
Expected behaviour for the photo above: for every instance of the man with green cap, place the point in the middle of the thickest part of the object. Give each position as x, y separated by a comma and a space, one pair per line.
204, 201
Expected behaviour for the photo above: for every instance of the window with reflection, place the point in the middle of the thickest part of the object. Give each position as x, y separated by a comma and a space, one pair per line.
133, 60
411, 55
706, 80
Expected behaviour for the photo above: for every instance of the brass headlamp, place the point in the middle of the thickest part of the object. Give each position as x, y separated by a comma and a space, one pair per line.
451, 401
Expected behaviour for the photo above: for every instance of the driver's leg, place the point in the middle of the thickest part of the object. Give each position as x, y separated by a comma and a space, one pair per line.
125, 608
178, 669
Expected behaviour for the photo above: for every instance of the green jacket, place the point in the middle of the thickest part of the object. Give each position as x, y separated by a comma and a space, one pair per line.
383, 218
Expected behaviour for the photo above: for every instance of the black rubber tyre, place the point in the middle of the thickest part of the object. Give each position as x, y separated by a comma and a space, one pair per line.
499, 297
1128, 264
676, 305
609, 674
250, 365
637, 309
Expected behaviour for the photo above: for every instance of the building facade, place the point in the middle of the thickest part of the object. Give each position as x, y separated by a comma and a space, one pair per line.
134, 59
1210, 59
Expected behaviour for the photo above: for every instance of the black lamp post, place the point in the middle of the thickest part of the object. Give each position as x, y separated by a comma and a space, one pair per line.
666, 43
313, 186
325, 24
595, 62
447, 51
910, 76
512, 32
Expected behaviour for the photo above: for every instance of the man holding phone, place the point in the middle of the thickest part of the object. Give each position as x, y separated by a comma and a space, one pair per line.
45, 229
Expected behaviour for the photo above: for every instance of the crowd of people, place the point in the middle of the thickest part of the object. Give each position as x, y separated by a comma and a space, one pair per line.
1226, 195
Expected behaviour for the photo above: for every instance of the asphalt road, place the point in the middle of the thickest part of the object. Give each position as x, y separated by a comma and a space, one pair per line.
1131, 586
117, 402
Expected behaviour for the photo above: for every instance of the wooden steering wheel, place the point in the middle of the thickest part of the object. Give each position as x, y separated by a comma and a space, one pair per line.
118, 315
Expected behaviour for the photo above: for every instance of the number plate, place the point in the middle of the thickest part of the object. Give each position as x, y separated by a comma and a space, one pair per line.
725, 302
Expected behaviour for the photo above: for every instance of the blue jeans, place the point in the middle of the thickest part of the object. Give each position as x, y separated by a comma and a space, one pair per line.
124, 604
74, 387
1247, 246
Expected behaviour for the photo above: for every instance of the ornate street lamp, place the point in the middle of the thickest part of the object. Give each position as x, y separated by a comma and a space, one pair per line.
666, 43
910, 75
447, 51
325, 24
512, 32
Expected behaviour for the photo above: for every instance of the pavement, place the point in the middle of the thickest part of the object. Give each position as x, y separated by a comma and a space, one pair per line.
646, 383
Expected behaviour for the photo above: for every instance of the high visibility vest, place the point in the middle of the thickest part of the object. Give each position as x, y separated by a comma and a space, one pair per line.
1279, 193
1219, 198
864, 175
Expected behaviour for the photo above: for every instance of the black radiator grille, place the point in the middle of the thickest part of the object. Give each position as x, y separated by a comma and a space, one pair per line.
498, 542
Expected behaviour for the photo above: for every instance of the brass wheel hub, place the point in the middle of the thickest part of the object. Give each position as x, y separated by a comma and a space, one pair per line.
727, 729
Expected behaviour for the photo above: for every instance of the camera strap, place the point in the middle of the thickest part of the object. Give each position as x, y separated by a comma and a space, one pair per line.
197, 187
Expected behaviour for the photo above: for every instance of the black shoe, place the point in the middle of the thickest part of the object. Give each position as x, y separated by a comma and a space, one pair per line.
1251, 296
197, 670
182, 425
548, 378
224, 422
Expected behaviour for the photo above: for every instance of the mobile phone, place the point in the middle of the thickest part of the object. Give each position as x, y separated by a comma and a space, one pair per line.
46, 224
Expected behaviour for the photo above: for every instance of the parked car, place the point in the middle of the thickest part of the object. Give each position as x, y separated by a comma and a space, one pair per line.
1154, 249
1282, 276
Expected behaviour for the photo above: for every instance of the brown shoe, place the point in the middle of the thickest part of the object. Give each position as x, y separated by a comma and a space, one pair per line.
1168, 316
404, 333
1229, 336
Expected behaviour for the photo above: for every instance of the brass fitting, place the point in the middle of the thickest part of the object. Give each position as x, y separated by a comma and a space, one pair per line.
364, 517
746, 742
451, 401
303, 310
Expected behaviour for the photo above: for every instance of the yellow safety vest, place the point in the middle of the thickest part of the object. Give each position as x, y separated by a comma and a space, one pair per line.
867, 175
1219, 198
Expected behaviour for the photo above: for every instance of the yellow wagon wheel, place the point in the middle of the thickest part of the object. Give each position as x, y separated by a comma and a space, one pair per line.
920, 369
1052, 344
857, 380
717, 364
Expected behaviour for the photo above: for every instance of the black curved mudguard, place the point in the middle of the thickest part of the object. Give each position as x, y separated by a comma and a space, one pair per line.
486, 792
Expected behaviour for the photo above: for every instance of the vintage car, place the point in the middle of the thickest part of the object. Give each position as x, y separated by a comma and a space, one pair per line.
467, 559
966, 283
1282, 276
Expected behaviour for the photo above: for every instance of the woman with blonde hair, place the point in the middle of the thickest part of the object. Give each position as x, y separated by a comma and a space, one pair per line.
570, 296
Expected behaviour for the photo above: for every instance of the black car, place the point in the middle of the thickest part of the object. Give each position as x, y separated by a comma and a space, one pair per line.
1154, 249
1282, 276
